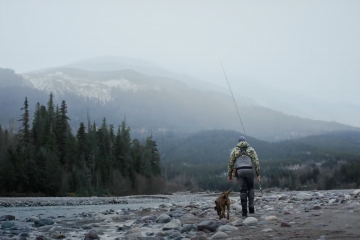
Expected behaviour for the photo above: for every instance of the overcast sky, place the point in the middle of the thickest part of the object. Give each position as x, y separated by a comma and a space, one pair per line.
311, 47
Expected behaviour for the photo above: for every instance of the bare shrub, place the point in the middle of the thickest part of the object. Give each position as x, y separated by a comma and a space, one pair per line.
173, 187
149, 186
122, 186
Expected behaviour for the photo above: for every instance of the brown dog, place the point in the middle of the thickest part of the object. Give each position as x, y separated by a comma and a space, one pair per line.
221, 203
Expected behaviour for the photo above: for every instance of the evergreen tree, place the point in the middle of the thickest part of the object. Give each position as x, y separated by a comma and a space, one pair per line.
62, 133
6, 138
48, 158
1, 140
25, 124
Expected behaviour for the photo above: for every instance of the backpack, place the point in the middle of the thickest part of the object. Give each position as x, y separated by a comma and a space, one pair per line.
242, 158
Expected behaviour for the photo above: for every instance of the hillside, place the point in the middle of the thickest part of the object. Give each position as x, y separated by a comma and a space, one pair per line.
154, 104
199, 160
214, 147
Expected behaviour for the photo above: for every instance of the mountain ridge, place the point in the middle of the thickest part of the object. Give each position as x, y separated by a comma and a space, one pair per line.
165, 105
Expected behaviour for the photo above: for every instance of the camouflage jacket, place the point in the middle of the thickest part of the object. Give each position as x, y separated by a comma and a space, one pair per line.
250, 152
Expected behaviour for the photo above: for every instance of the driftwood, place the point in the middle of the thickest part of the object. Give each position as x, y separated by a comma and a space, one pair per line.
148, 196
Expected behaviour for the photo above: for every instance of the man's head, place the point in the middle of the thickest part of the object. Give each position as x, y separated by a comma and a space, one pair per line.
242, 139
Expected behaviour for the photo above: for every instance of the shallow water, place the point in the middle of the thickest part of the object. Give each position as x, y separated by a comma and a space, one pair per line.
68, 211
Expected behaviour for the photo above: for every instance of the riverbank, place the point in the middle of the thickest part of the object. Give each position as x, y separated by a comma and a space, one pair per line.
278, 215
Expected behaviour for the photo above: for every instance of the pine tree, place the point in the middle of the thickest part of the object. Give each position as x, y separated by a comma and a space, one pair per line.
1, 140
155, 158
136, 154
51, 116
6, 138
62, 133
25, 124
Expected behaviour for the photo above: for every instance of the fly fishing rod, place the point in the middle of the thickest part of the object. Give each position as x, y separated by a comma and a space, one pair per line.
237, 109
233, 98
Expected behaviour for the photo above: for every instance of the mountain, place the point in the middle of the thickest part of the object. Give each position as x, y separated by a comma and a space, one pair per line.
214, 147
154, 104
117, 63
340, 141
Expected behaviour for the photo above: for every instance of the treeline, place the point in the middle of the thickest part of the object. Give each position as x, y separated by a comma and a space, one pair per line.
47, 157
331, 175
199, 160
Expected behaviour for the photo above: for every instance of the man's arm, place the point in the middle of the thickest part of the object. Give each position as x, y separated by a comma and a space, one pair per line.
255, 160
231, 163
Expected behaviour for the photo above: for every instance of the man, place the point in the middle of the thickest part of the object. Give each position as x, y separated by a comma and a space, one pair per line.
242, 159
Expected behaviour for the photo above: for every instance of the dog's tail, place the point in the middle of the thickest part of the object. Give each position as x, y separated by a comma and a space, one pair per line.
228, 192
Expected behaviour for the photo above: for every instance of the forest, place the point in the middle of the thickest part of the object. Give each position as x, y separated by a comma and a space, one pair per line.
46, 157
199, 160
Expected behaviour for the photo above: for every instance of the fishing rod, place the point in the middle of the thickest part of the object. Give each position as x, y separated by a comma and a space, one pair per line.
237, 109
233, 98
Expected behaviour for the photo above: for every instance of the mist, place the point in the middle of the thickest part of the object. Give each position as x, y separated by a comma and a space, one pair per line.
299, 57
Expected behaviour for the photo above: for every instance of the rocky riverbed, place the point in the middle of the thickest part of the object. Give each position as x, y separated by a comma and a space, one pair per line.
278, 215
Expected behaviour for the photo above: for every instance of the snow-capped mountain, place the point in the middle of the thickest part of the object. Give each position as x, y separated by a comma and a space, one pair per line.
60, 83
150, 103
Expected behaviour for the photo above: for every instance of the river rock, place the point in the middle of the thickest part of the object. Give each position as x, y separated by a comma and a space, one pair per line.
58, 236
199, 238
174, 224
219, 235
209, 225
266, 230
187, 228
250, 221
356, 192
33, 219
227, 228
189, 219
7, 218
237, 223
175, 236
24, 235
271, 219
91, 236
284, 224
163, 218
134, 233
7, 225
43, 222
41, 237
236, 207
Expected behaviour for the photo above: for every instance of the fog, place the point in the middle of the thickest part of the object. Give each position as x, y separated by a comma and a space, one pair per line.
300, 57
